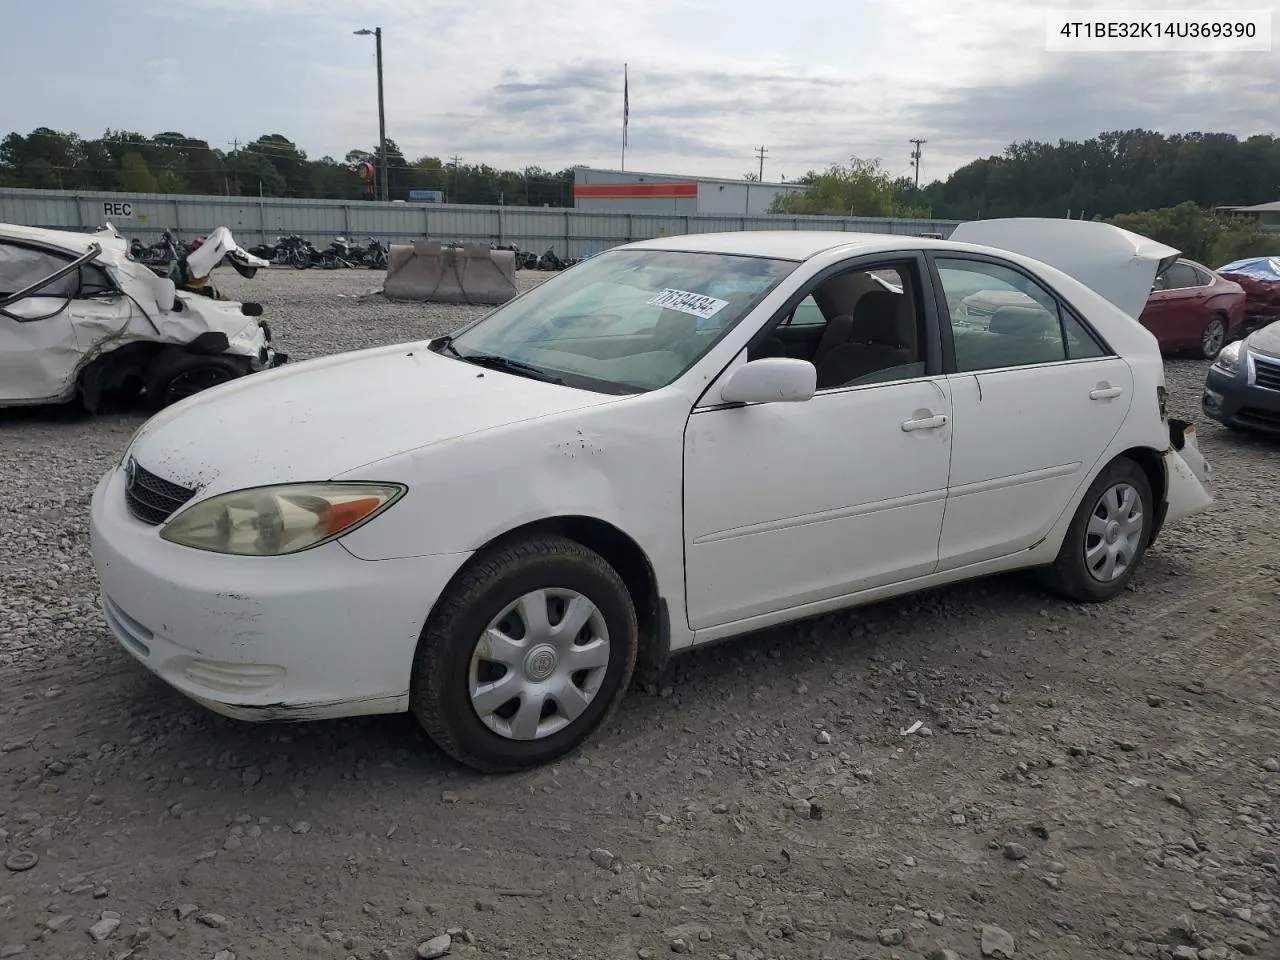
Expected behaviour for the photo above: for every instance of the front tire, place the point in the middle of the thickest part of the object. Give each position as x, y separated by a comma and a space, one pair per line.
1108, 536
527, 654
180, 375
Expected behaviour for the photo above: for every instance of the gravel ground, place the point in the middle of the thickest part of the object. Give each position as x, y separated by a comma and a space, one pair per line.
1088, 782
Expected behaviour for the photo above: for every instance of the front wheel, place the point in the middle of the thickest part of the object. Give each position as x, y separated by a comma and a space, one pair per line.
527, 654
1214, 338
181, 375
1107, 538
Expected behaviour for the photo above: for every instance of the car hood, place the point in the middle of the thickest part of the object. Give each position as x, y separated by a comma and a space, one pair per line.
1114, 263
1266, 341
321, 418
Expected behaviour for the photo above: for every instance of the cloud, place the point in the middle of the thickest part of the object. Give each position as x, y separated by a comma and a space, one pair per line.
513, 84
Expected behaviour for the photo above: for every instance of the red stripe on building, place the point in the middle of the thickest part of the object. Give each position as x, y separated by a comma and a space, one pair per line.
634, 191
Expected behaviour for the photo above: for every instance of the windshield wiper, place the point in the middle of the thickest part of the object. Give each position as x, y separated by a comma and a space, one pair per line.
511, 366
506, 364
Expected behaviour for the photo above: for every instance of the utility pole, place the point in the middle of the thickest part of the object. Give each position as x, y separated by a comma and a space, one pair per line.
453, 179
382, 114
761, 153
915, 159
235, 173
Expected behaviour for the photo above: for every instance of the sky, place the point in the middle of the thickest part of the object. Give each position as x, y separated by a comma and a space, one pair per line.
515, 83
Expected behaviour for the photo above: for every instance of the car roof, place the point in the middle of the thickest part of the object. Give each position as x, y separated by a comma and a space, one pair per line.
791, 244
64, 239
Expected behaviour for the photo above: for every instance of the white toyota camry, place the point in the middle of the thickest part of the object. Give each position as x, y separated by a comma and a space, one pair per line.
676, 441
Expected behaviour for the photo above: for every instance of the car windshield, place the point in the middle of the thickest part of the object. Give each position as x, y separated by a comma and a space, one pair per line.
624, 321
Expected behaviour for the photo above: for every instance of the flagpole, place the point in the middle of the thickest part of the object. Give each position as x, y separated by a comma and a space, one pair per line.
626, 111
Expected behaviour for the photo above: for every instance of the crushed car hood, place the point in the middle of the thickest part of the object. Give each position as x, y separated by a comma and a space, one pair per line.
321, 418
1114, 263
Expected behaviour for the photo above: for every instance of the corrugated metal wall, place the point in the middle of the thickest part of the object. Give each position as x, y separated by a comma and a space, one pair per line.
572, 233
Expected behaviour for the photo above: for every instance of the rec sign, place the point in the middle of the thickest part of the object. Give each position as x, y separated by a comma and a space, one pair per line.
117, 208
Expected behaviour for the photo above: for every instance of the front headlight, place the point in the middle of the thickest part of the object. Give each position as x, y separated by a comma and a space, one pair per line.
1228, 360
273, 521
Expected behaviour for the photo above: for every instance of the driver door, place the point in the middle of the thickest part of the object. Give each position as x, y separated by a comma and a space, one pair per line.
793, 504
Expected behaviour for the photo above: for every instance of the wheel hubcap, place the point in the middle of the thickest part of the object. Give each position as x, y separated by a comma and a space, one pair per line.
1114, 533
539, 664
1213, 336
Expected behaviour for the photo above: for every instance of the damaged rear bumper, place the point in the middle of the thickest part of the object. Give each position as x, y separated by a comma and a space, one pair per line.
1189, 477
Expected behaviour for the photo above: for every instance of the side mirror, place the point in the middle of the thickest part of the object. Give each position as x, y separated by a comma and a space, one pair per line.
771, 380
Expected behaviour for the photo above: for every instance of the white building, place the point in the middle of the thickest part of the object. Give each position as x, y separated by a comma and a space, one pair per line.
631, 192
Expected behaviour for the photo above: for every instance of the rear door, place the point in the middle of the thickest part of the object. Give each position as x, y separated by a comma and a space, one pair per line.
1037, 398
38, 348
1155, 315
1183, 300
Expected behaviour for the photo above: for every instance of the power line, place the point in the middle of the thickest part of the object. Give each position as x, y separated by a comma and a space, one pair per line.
761, 153
915, 159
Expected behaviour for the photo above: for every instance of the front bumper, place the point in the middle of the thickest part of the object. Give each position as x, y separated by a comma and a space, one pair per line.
313, 635
1238, 400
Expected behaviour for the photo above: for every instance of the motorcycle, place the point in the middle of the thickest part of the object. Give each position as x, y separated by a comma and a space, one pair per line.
372, 255
339, 254
551, 261
159, 254
525, 259
296, 251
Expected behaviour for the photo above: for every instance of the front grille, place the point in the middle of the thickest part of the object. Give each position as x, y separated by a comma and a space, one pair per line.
1266, 374
153, 499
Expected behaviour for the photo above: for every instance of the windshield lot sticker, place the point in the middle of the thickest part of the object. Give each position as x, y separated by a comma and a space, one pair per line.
696, 304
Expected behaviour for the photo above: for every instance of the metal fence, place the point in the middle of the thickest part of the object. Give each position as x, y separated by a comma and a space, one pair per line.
571, 233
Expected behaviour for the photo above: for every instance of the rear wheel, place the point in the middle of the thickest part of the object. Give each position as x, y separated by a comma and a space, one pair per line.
1214, 337
181, 375
1107, 538
527, 653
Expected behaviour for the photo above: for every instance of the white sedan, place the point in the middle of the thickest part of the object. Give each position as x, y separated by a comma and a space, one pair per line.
651, 451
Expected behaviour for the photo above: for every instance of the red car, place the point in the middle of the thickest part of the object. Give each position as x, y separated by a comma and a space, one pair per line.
1193, 308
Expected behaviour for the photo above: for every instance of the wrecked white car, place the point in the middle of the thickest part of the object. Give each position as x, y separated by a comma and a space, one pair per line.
644, 454
80, 318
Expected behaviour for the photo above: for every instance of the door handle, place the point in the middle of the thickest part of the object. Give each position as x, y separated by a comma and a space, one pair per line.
925, 423
1105, 393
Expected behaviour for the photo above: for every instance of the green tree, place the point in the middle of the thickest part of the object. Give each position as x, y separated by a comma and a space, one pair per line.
135, 177
1210, 237
289, 162
859, 189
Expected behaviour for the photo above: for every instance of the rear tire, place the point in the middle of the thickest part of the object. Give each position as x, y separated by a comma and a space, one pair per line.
1214, 337
489, 665
1107, 538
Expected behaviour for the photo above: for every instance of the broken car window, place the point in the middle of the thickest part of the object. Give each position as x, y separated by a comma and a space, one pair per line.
22, 266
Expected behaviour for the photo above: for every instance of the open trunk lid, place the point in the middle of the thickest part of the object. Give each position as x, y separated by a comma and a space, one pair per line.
1116, 264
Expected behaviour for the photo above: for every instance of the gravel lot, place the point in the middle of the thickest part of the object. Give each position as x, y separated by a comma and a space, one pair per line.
1089, 782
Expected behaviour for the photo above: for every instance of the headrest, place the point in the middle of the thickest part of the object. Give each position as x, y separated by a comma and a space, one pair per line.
1021, 321
877, 317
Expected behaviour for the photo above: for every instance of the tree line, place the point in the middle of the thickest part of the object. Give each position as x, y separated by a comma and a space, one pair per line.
270, 166
1115, 173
